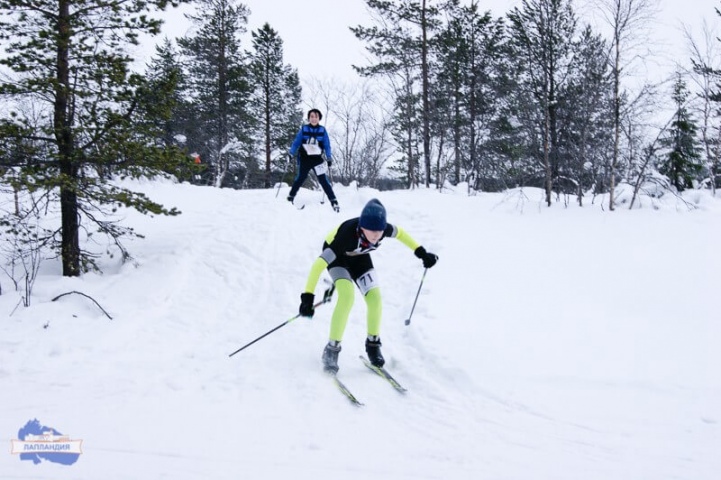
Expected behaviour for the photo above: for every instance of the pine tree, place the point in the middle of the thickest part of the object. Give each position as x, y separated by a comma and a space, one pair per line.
276, 96
466, 77
586, 115
682, 165
69, 61
219, 90
402, 50
164, 101
542, 32
168, 110
448, 92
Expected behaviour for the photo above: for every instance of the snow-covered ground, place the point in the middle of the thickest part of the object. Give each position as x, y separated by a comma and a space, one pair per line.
547, 343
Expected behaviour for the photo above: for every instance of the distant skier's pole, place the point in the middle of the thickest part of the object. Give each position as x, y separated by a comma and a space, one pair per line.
330, 180
287, 165
322, 199
408, 320
326, 298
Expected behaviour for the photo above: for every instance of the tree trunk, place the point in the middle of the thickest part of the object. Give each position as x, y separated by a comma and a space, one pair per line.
546, 156
267, 137
616, 118
715, 165
223, 112
62, 122
457, 139
426, 106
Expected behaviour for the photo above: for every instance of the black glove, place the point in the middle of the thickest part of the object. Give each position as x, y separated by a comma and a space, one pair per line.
306, 305
330, 161
429, 259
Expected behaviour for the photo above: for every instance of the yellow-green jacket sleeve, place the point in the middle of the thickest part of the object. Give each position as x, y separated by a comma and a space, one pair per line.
315, 270
406, 239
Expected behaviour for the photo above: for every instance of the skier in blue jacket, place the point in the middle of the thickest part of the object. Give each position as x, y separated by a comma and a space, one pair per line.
311, 148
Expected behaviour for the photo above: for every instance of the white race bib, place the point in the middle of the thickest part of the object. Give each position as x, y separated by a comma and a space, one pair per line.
312, 148
367, 281
321, 169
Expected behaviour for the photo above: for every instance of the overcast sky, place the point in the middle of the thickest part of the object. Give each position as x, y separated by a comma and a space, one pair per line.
318, 42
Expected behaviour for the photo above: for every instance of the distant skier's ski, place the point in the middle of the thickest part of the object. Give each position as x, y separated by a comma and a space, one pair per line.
383, 373
344, 390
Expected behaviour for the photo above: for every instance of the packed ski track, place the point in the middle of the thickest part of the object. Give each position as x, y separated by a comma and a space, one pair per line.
515, 367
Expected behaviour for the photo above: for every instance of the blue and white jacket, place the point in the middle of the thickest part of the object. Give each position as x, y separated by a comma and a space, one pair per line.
311, 142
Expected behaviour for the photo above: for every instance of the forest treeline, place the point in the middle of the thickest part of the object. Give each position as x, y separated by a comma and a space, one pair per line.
451, 94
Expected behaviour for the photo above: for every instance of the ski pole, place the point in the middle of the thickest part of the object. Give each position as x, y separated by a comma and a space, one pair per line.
330, 180
322, 199
285, 172
326, 298
408, 320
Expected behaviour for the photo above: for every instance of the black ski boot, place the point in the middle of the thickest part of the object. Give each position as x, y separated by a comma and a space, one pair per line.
373, 349
330, 357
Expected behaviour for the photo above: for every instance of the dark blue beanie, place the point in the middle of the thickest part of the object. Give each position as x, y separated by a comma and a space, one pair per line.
373, 216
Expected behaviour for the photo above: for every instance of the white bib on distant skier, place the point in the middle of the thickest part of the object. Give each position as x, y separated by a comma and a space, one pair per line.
321, 169
312, 148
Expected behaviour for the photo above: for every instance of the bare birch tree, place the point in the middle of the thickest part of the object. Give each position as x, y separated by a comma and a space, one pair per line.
629, 21
359, 127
